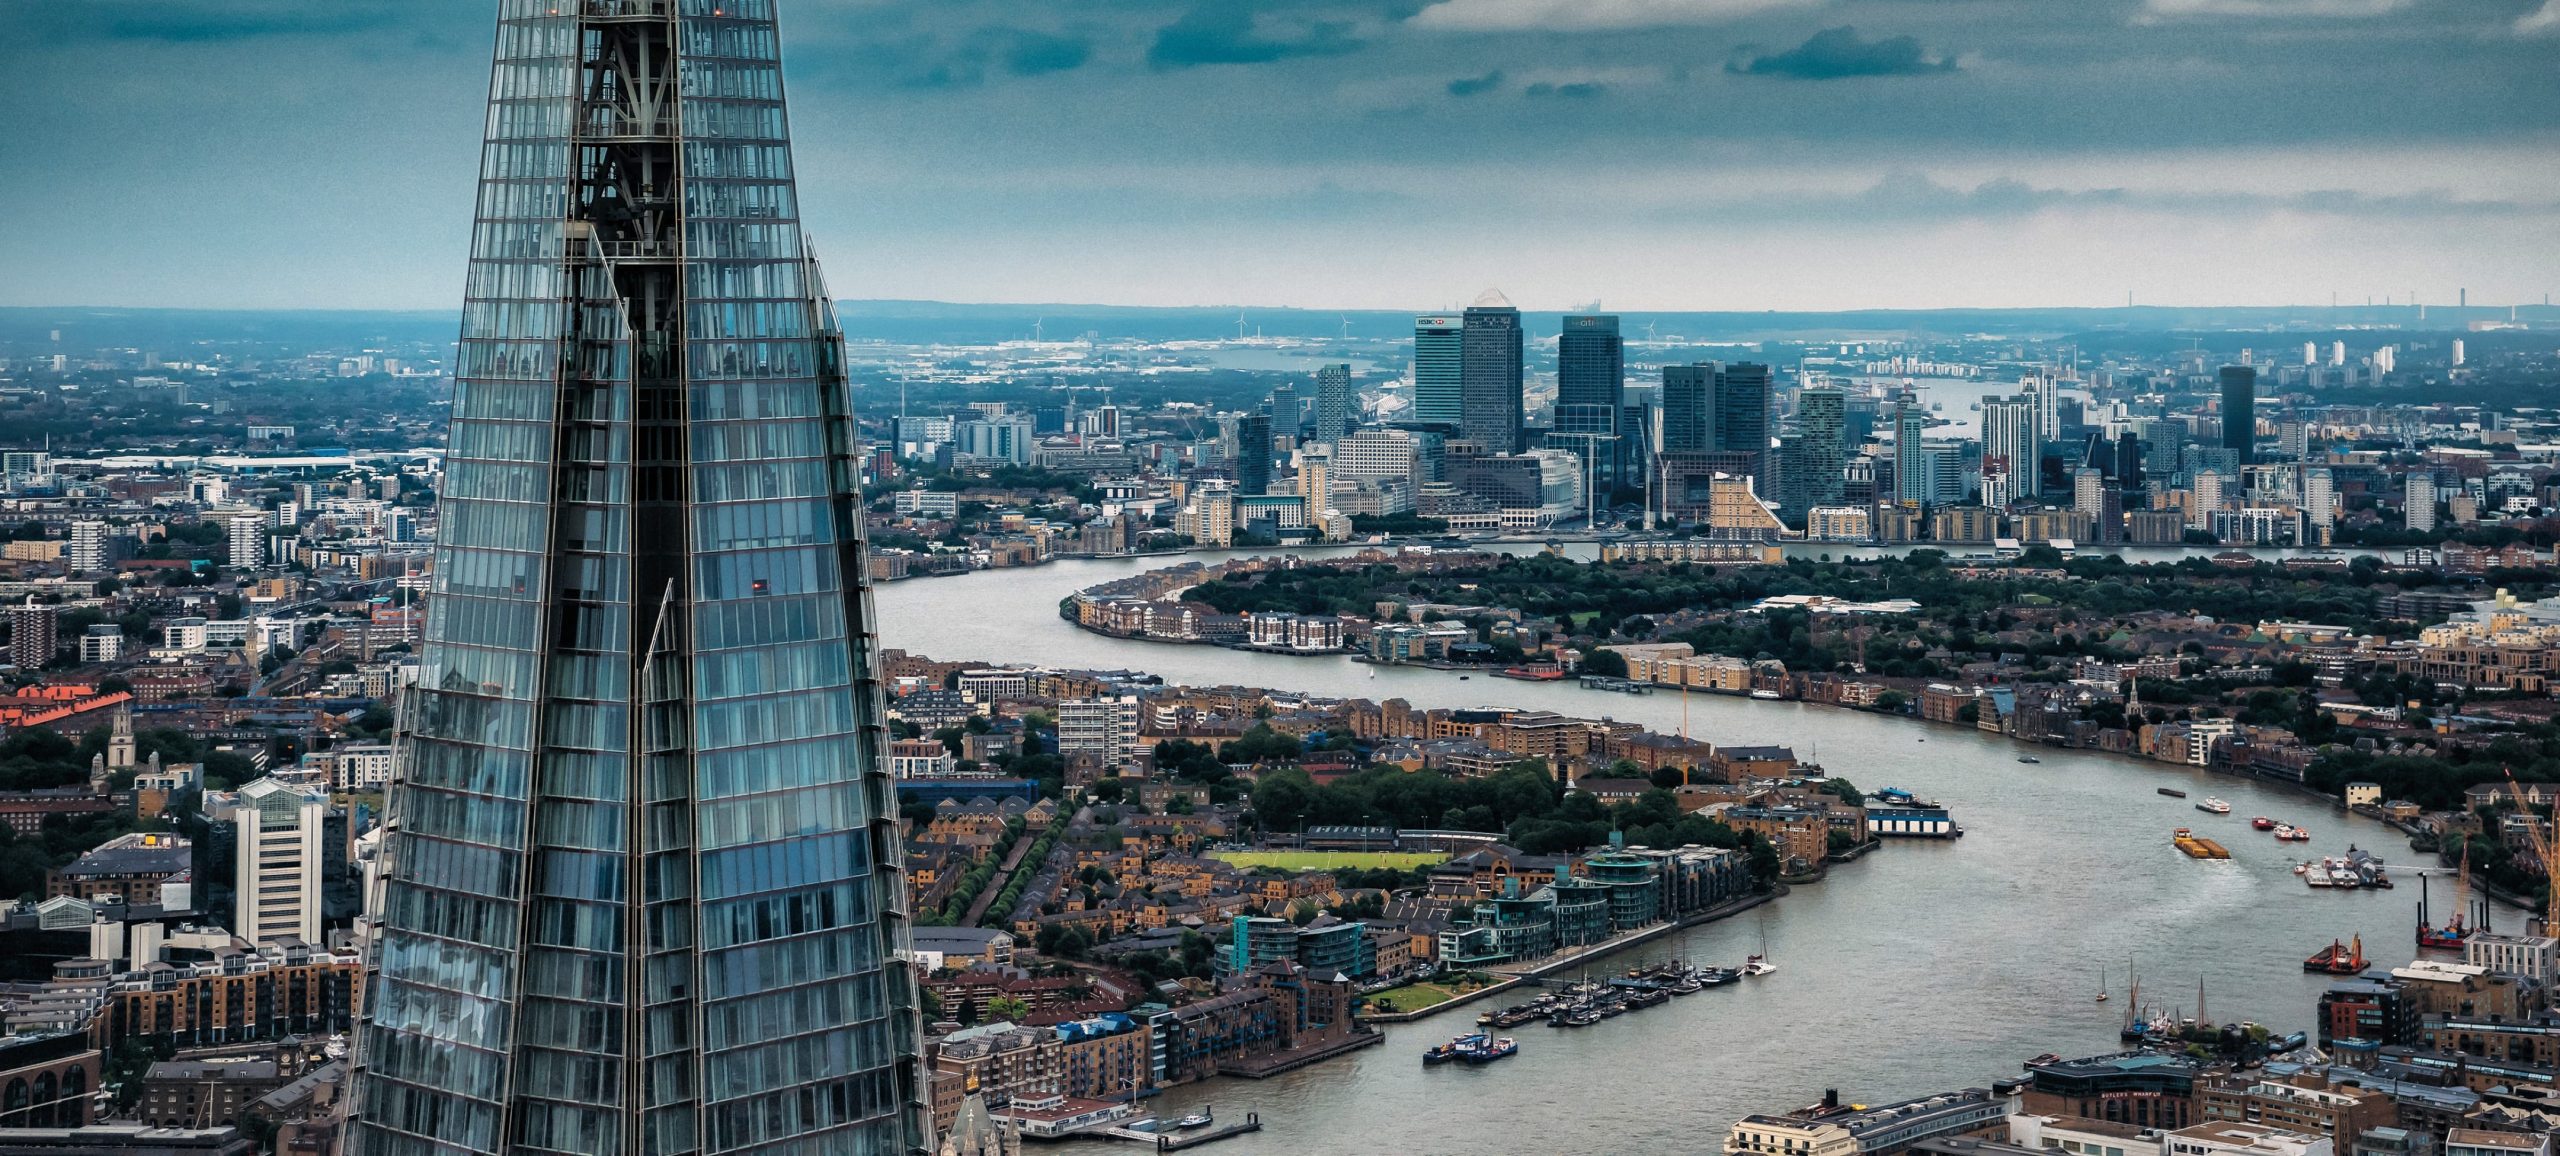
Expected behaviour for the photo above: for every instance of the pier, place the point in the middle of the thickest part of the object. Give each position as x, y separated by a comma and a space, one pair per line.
1172, 1142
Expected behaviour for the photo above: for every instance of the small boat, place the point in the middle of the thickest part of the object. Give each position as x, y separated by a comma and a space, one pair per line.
2047, 1058
1441, 1053
1465, 677
2263, 823
1489, 1051
2173, 792
1758, 965
1201, 1119
2299, 835
2102, 986
2029, 759
1765, 695
2214, 806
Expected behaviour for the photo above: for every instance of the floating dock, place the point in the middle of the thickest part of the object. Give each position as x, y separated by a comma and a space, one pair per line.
1176, 1142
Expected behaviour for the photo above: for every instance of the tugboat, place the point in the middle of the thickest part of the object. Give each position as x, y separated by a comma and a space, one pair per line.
2338, 958
1443, 1053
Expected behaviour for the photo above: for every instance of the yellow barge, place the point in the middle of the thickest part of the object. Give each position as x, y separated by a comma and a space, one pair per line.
2197, 846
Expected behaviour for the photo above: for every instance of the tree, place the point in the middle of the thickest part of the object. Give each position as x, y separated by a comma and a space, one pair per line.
1005, 1007
1604, 662
1303, 912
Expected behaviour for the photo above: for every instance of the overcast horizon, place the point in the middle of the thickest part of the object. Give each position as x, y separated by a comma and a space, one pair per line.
1653, 155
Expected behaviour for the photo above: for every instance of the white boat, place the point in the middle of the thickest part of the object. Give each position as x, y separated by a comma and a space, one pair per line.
2214, 806
1765, 695
1758, 965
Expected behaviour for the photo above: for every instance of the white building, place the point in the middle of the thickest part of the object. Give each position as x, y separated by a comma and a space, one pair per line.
2240, 1138
248, 539
2531, 956
361, 766
1106, 728
2418, 500
88, 550
278, 845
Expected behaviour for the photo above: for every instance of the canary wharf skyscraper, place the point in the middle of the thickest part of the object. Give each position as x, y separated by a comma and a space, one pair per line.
644, 890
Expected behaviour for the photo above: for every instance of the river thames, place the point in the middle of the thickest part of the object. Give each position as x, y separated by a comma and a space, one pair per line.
1924, 967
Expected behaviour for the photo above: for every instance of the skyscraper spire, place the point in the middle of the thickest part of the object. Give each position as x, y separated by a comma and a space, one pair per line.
643, 888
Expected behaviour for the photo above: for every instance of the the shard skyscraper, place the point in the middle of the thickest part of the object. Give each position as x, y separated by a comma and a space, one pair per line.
644, 888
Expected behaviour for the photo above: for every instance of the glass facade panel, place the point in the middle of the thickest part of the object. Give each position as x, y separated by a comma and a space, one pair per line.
643, 892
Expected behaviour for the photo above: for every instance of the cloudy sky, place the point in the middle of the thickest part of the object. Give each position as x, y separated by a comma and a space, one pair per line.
1649, 154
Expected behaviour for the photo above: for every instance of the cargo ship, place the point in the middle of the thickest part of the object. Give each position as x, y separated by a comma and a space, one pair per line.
2338, 958
2196, 846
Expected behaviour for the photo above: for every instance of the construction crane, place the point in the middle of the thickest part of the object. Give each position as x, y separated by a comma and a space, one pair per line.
2542, 851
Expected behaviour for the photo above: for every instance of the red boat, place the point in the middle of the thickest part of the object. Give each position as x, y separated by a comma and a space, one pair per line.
2263, 823
2338, 958
2300, 835
1532, 673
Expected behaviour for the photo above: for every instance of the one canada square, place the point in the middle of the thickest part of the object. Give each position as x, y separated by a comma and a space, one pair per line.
643, 891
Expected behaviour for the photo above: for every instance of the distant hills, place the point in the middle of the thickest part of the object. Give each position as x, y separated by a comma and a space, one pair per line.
27, 330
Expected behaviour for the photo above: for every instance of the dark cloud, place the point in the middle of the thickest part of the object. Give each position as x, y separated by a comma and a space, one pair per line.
1476, 85
921, 62
1224, 32
215, 21
1575, 90
1838, 53
1039, 53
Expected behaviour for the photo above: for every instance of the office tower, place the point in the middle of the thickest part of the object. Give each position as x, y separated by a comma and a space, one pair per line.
1004, 439
278, 846
1253, 453
1439, 368
32, 631
1742, 408
645, 890
1490, 392
1375, 455
2010, 447
1910, 462
1688, 408
2418, 501
246, 535
88, 550
2240, 411
1333, 403
1822, 421
1591, 388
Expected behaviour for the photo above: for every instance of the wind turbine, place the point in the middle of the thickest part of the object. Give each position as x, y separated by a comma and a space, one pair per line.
1346, 328
1239, 324
1036, 330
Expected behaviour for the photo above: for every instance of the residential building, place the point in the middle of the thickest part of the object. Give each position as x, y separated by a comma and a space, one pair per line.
1104, 729
1334, 403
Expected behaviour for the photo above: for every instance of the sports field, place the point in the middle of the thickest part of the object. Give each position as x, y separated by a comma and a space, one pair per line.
1328, 860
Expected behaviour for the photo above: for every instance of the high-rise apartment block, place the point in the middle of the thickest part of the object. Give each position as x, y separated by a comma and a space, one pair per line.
644, 892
